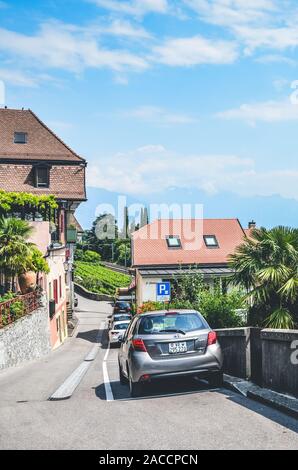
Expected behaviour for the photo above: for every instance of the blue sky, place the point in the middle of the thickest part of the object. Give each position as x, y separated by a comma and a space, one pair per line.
161, 94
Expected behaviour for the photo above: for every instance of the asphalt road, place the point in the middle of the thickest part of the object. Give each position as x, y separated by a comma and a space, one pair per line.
172, 415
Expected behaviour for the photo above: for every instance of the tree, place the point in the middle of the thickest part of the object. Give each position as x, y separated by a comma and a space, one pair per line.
17, 254
186, 285
101, 238
14, 248
124, 253
144, 219
266, 265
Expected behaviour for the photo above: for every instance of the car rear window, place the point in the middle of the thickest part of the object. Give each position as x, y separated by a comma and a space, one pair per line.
121, 327
186, 322
121, 317
122, 304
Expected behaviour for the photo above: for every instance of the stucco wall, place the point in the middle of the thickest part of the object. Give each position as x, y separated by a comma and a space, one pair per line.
26, 339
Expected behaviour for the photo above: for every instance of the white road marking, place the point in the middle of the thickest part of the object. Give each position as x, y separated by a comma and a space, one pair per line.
66, 390
106, 379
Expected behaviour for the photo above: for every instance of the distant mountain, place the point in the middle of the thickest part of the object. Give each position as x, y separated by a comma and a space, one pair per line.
266, 211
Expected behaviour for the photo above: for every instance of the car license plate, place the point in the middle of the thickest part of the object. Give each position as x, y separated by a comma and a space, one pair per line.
176, 348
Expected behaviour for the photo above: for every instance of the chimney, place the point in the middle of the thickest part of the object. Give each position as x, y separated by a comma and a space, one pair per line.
252, 224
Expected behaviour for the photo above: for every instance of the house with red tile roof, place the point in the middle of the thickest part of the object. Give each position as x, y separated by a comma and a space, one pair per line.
33, 159
168, 247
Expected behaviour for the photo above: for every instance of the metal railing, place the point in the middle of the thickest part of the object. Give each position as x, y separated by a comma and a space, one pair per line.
28, 303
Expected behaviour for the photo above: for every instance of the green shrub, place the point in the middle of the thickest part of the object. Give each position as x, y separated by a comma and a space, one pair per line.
16, 310
87, 256
220, 309
7, 296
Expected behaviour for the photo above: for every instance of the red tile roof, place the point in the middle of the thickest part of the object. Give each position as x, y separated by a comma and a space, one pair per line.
150, 246
42, 143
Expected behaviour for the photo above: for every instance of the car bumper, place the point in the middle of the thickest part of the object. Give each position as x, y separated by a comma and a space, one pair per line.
114, 340
142, 364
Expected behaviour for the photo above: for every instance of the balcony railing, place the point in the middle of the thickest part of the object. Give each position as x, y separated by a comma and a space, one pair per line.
18, 307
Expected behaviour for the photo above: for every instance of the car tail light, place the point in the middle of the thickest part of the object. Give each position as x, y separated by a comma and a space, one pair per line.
145, 378
212, 338
138, 345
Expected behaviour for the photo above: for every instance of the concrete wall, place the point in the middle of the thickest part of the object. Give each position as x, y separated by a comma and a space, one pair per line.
235, 344
279, 360
267, 357
26, 339
58, 324
41, 235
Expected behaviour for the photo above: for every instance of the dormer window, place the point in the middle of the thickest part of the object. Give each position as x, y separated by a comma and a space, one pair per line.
42, 176
173, 241
211, 241
20, 137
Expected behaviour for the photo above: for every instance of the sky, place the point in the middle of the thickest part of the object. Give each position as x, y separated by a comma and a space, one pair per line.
163, 97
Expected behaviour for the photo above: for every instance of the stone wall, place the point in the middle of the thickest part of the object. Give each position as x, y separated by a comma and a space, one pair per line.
26, 339
92, 295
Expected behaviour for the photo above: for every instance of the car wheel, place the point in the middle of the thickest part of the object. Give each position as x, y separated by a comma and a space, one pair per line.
216, 379
123, 379
135, 388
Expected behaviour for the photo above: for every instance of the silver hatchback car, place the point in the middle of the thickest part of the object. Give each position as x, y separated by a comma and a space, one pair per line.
169, 344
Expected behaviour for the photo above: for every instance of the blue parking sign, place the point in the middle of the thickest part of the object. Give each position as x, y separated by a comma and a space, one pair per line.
163, 291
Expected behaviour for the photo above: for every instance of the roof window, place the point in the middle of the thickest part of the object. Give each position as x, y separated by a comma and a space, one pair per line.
20, 138
173, 241
211, 241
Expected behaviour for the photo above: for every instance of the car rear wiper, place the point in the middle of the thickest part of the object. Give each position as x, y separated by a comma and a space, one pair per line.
172, 330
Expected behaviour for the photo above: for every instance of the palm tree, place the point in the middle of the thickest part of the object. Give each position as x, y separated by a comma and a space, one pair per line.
15, 250
266, 264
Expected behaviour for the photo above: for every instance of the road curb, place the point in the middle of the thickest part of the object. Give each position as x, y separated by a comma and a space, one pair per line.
280, 402
284, 403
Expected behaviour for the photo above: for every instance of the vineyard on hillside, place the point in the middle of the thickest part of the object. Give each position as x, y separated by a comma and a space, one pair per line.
99, 279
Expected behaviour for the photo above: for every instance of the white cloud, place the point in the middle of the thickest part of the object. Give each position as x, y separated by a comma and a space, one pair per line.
134, 7
233, 12
158, 115
268, 24
61, 46
135, 173
18, 78
275, 59
268, 111
195, 50
152, 149
120, 28
270, 38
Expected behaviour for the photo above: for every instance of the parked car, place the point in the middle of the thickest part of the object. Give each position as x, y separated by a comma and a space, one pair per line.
75, 301
122, 307
117, 331
165, 344
119, 317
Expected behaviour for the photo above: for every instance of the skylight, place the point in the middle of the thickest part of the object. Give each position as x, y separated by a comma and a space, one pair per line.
173, 241
211, 241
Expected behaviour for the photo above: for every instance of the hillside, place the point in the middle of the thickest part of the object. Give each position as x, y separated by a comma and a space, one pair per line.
99, 279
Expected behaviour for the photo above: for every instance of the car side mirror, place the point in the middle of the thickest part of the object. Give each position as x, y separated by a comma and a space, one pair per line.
109, 316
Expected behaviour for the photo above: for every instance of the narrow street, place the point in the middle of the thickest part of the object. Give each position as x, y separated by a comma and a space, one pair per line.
101, 415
